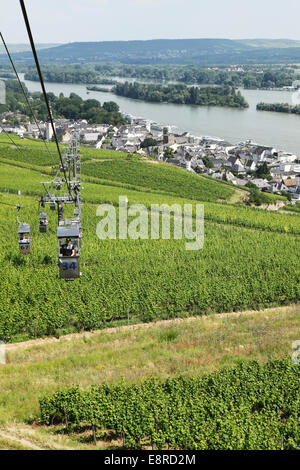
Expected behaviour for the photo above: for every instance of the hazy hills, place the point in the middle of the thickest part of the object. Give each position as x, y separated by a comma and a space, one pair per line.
14, 48
176, 51
270, 43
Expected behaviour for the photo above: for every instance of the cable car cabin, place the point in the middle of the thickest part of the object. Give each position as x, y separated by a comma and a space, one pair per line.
43, 222
24, 239
69, 252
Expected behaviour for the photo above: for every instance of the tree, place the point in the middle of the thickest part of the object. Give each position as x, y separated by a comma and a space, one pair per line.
168, 153
287, 195
251, 185
111, 107
207, 162
149, 142
258, 198
263, 171
198, 170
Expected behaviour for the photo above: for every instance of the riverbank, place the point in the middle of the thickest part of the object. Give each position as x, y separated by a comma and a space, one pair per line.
234, 125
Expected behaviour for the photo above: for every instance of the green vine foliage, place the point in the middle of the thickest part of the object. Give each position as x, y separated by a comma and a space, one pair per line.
250, 406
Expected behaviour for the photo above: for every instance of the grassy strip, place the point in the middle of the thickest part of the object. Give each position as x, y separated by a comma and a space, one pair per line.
190, 347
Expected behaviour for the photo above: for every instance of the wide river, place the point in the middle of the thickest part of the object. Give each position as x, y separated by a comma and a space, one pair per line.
281, 131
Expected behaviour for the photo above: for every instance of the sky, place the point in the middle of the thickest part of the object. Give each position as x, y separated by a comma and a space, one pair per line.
63, 21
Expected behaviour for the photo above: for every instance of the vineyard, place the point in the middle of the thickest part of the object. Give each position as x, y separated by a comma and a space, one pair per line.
143, 278
250, 260
161, 177
145, 305
250, 257
248, 407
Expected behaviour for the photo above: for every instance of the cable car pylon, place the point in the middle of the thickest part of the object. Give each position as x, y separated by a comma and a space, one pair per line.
69, 229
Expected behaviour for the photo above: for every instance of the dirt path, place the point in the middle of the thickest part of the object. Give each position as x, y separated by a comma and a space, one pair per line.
238, 196
87, 334
19, 440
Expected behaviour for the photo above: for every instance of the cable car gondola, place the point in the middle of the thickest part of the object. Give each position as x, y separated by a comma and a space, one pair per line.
23, 235
43, 222
69, 244
69, 230
24, 239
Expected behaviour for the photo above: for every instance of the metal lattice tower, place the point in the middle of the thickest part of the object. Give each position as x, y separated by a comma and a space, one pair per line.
71, 168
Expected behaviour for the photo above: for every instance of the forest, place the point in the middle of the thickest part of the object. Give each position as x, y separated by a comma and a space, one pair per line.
248, 77
181, 94
72, 107
252, 78
278, 108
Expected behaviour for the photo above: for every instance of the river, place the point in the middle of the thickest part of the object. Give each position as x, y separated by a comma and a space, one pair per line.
281, 131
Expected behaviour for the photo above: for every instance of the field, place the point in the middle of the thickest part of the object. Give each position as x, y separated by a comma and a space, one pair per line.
234, 409
130, 355
250, 260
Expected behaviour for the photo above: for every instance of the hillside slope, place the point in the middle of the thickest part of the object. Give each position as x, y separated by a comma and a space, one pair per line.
171, 51
143, 279
191, 347
153, 304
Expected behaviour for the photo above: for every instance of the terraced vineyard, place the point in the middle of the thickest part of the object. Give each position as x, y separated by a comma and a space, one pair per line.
161, 177
250, 407
240, 266
250, 260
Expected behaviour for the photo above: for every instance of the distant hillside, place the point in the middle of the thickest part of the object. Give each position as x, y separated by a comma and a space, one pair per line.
172, 51
25, 47
160, 51
270, 43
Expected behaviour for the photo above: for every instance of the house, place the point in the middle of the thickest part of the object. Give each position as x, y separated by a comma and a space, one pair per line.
261, 153
219, 175
275, 171
177, 161
188, 165
100, 142
142, 152
226, 147
90, 137
261, 184
239, 181
250, 165
230, 176
116, 143
296, 195
169, 139
66, 137
197, 162
277, 186
236, 165
218, 163
286, 157
290, 183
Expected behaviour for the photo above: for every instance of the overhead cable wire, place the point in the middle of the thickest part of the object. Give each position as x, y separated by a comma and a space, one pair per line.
25, 94
7, 204
43, 86
12, 141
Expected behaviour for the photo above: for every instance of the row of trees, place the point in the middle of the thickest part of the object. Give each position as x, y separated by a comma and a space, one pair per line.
278, 108
64, 75
101, 74
199, 75
73, 107
181, 94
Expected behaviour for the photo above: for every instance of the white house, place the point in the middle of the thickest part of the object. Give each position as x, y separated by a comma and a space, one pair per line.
90, 137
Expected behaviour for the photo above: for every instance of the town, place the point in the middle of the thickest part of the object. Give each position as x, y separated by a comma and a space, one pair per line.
245, 164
